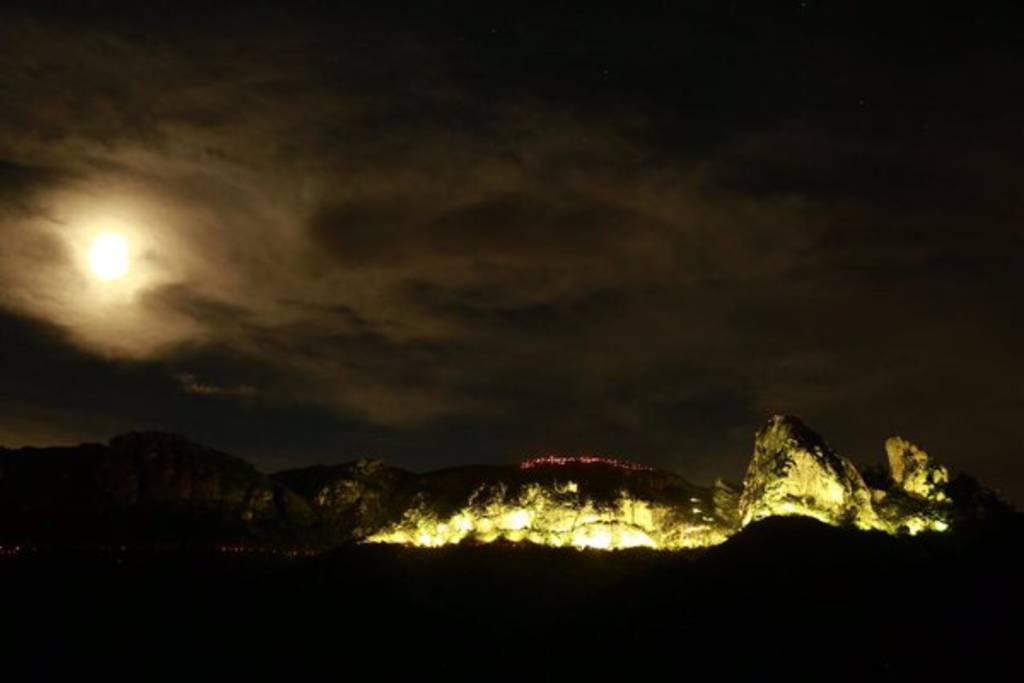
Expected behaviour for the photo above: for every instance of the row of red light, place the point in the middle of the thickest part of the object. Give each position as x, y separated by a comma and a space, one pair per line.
563, 460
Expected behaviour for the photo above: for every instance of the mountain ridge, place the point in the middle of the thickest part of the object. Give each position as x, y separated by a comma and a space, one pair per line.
155, 487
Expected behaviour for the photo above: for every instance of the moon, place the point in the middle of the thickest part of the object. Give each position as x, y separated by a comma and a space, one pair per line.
108, 256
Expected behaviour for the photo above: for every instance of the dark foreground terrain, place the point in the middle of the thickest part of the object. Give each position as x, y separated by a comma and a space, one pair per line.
786, 599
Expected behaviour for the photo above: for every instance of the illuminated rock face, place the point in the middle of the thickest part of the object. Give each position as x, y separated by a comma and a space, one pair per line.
727, 502
560, 514
794, 472
162, 488
590, 502
914, 499
901, 513
914, 472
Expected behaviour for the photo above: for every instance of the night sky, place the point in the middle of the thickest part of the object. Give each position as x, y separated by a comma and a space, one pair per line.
445, 235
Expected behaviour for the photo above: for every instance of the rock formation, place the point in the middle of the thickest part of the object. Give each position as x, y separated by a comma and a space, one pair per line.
914, 472
913, 498
563, 502
794, 472
726, 498
559, 514
352, 500
143, 487
161, 488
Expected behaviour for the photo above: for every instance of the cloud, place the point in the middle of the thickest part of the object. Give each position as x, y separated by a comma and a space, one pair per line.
194, 385
331, 220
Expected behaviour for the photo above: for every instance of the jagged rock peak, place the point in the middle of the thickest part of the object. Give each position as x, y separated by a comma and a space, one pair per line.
794, 471
914, 471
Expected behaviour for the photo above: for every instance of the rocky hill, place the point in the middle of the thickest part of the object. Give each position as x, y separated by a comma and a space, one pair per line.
595, 503
153, 488
143, 487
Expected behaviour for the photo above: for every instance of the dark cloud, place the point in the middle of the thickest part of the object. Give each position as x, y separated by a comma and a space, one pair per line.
19, 181
501, 230
440, 237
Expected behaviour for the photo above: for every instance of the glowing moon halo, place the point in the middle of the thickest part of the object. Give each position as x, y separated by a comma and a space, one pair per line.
108, 257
